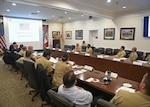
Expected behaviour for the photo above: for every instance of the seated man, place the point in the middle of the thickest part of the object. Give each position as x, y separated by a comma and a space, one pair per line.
89, 49
45, 61
77, 95
60, 69
140, 98
28, 56
121, 53
133, 55
148, 58
77, 48
23, 51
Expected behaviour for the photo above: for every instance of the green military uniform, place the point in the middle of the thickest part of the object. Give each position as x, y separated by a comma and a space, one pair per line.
127, 99
133, 56
46, 64
148, 58
89, 50
60, 69
121, 54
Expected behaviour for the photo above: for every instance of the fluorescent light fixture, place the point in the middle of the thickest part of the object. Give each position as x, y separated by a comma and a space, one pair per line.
65, 12
69, 18
124, 7
108, 1
7, 10
38, 11
14, 4
82, 15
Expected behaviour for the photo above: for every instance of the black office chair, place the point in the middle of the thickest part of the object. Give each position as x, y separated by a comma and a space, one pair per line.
146, 55
97, 51
108, 51
103, 103
127, 53
65, 47
20, 65
59, 100
116, 51
32, 77
83, 48
102, 50
140, 55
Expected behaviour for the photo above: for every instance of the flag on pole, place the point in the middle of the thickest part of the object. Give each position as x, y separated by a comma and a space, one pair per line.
2, 38
45, 31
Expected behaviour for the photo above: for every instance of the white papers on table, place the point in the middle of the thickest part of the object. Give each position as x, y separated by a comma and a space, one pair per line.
79, 71
144, 62
87, 54
114, 75
53, 60
126, 89
53, 48
68, 51
116, 59
59, 49
92, 80
88, 67
105, 56
77, 67
71, 62
123, 58
137, 63
100, 56
76, 52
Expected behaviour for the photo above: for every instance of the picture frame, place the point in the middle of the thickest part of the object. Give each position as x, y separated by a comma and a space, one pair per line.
109, 33
127, 33
79, 34
68, 34
55, 34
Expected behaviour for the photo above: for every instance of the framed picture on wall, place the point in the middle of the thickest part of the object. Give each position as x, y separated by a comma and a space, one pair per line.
109, 33
55, 34
79, 34
127, 33
68, 34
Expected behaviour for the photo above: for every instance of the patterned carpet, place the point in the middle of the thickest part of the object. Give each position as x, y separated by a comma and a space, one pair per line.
13, 92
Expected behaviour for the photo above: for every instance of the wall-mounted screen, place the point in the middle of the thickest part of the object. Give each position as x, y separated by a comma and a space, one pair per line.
146, 30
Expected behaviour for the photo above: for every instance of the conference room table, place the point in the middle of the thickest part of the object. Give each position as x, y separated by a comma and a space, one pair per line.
125, 69
100, 66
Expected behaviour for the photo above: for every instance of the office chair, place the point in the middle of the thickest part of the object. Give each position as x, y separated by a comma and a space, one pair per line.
103, 103
127, 53
20, 65
101, 50
32, 77
140, 55
116, 51
108, 51
44, 83
59, 100
97, 51
83, 48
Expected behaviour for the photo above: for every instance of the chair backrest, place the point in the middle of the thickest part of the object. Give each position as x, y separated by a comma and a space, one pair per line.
83, 48
65, 47
108, 51
104, 103
115, 51
20, 65
59, 100
96, 51
101, 50
127, 53
43, 81
140, 55
32, 74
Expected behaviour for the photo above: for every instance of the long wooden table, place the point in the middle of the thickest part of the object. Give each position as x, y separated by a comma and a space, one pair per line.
99, 88
124, 69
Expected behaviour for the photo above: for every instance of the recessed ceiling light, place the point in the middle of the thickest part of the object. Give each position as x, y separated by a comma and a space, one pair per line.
14, 4
82, 15
7, 10
124, 7
108, 1
65, 12
38, 11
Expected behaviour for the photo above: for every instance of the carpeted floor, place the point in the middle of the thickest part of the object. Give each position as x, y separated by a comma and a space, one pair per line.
13, 92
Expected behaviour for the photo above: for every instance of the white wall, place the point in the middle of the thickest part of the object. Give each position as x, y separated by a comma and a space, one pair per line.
122, 22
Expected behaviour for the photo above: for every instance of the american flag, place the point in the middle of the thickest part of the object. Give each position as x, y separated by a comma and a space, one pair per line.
2, 38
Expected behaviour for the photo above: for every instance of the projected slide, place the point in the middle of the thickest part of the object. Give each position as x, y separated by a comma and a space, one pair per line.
23, 30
